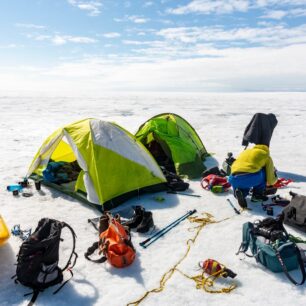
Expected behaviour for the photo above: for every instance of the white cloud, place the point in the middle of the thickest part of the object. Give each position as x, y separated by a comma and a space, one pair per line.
148, 4
280, 14
134, 42
274, 15
9, 46
92, 7
58, 39
137, 19
277, 35
279, 3
111, 35
208, 6
232, 69
63, 39
133, 18
298, 12
231, 6
39, 37
29, 26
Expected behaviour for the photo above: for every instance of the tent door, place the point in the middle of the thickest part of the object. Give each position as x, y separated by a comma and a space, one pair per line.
160, 155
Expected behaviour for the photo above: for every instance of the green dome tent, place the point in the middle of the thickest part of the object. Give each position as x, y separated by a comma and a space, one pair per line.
112, 164
174, 144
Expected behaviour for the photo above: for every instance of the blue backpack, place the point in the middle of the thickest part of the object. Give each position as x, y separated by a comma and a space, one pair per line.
270, 245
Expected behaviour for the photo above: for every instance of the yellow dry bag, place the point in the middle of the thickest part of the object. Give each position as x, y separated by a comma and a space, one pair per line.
4, 232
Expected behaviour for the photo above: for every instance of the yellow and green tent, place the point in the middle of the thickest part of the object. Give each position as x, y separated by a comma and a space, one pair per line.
177, 141
114, 164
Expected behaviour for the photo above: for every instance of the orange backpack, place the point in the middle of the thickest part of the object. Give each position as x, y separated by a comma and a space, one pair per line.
114, 243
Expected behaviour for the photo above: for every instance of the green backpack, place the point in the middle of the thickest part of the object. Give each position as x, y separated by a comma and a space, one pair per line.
270, 245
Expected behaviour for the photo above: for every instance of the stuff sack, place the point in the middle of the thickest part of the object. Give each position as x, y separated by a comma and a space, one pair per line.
38, 257
270, 245
295, 213
215, 183
114, 243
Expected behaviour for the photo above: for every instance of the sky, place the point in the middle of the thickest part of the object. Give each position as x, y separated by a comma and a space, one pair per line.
94, 46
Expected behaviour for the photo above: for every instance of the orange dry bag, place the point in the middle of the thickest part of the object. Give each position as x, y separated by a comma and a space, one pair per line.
114, 243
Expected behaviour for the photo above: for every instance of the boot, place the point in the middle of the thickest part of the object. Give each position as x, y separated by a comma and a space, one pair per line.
259, 197
136, 219
241, 198
270, 190
146, 223
103, 223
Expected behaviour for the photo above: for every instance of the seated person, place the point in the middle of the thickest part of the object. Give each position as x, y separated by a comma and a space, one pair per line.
253, 169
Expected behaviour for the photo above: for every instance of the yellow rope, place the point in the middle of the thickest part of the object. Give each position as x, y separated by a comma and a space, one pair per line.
205, 283
202, 222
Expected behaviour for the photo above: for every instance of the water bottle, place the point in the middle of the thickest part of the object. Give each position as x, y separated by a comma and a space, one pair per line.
14, 187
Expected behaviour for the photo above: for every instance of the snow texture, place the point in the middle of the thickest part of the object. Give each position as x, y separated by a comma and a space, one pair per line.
220, 120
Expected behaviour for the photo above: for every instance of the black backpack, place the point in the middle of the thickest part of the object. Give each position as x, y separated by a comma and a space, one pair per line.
37, 260
295, 213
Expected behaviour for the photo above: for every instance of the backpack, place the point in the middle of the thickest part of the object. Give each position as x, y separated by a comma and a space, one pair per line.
215, 183
114, 243
38, 257
270, 245
295, 213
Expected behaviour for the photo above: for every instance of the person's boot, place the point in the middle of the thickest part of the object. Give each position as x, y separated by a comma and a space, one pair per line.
259, 197
241, 198
146, 223
136, 218
270, 190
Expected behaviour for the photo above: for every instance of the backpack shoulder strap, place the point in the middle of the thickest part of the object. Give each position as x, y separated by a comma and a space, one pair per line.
34, 296
301, 266
246, 236
91, 250
68, 265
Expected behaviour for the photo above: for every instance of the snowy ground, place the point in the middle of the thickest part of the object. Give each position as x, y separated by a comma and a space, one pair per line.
220, 120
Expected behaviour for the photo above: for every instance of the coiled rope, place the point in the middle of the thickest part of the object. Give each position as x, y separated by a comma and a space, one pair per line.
201, 281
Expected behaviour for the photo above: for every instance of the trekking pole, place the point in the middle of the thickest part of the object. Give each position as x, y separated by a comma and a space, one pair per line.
166, 229
235, 209
183, 193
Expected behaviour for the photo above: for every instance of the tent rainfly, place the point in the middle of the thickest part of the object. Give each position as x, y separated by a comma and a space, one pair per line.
113, 165
174, 144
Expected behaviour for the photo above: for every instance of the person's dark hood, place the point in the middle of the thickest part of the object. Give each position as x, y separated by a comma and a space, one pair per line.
260, 129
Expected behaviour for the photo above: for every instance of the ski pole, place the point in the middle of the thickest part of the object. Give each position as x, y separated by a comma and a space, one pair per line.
166, 229
183, 193
235, 209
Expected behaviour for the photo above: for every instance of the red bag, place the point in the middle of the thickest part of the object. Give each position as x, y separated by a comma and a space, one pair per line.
212, 180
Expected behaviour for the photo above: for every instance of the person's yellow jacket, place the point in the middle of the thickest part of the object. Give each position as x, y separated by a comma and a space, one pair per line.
253, 160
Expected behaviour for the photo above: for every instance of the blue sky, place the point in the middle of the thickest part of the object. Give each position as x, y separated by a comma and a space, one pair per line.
161, 45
